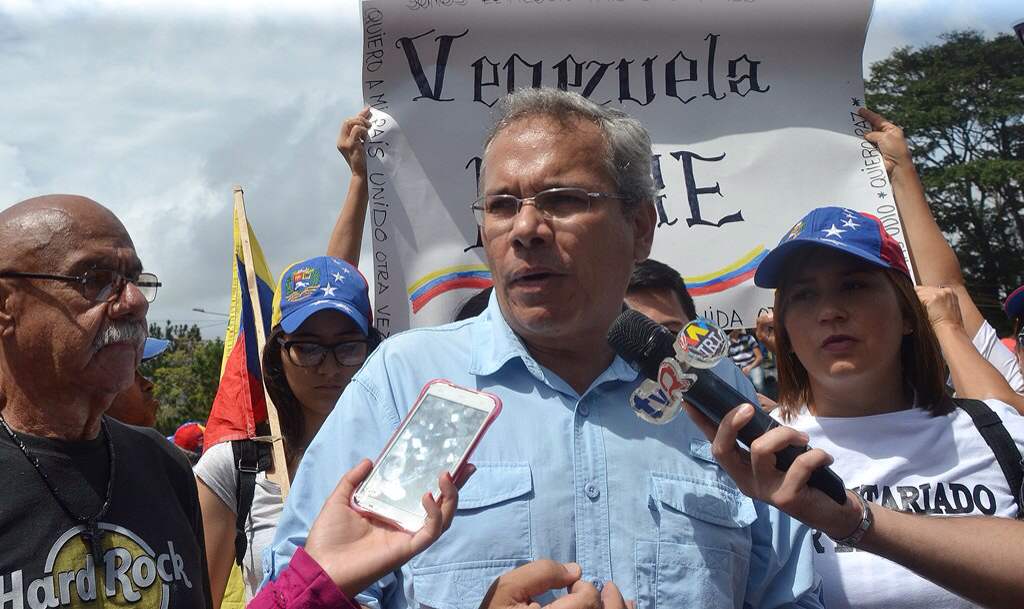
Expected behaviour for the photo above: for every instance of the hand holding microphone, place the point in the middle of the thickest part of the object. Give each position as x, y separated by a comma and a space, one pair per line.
678, 370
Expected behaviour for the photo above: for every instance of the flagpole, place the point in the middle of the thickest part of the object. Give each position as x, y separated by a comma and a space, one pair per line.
280, 473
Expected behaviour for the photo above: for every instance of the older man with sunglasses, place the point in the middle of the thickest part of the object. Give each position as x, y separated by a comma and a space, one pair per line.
567, 471
93, 511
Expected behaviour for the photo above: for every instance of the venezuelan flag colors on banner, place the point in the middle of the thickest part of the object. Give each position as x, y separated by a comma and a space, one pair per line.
240, 403
426, 288
731, 275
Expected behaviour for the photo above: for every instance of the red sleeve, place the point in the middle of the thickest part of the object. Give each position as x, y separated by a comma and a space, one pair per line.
302, 585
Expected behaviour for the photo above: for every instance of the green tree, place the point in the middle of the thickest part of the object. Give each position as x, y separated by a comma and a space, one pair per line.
961, 106
186, 375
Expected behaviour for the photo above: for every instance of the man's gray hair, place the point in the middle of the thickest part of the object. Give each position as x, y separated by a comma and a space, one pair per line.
628, 156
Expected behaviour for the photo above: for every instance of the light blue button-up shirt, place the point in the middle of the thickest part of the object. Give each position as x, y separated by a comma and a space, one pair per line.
559, 475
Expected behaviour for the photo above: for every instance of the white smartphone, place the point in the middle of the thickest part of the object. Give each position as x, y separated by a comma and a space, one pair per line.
439, 434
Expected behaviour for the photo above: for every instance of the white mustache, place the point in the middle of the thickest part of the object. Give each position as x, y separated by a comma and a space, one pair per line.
122, 332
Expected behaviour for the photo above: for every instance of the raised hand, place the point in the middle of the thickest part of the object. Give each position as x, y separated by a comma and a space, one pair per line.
351, 140
889, 139
942, 305
356, 550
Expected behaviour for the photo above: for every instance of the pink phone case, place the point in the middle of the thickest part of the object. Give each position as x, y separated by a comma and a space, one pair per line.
458, 468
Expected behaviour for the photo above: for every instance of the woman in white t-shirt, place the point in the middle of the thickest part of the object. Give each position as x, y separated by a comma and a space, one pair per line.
862, 377
322, 332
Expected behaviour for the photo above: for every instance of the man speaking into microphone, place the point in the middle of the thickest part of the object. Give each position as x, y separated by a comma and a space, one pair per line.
568, 472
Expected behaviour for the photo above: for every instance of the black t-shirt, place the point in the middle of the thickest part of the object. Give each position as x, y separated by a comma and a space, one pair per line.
152, 542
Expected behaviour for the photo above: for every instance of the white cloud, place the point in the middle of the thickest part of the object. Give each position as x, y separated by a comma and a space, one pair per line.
157, 118
237, 9
13, 175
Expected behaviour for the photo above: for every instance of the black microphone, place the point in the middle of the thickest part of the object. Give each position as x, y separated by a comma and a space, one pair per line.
654, 351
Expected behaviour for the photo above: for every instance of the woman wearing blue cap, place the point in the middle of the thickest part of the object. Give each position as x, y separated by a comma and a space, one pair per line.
861, 379
321, 333
319, 303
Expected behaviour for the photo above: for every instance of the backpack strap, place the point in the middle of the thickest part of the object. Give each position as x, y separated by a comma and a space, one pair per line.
991, 428
251, 457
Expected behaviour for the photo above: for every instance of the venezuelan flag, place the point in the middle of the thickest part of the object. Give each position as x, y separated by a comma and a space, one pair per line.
240, 402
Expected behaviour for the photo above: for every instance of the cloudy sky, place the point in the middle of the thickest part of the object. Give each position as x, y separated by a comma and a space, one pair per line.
157, 108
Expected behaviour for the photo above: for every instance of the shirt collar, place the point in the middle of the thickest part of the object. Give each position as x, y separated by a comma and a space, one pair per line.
495, 344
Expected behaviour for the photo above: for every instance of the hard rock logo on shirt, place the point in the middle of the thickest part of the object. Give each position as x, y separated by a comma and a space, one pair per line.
133, 574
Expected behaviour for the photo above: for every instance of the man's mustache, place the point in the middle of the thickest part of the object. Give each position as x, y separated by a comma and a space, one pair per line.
122, 332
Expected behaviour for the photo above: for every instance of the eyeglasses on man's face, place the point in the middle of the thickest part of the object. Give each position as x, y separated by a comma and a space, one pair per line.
305, 354
554, 203
100, 285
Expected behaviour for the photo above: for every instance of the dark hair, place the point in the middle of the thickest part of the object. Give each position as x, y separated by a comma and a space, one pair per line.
653, 275
289, 410
475, 305
920, 357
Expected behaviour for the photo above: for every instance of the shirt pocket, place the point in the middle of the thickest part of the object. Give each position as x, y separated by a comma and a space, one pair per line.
702, 555
489, 536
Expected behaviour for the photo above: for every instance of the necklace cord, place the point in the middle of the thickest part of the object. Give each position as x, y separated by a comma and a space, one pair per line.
90, 522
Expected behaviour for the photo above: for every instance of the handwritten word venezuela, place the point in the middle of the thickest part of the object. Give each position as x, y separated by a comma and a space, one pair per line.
679, 77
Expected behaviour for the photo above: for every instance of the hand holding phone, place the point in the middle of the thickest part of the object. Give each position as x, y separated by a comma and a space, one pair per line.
355, 550
439, 434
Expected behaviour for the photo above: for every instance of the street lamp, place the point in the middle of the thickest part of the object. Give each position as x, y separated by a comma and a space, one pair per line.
199, 310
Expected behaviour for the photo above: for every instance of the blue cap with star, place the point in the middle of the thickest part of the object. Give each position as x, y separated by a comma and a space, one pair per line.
853, 232
324, 282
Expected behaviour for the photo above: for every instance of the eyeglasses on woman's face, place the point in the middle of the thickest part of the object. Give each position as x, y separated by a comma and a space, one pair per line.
308, 354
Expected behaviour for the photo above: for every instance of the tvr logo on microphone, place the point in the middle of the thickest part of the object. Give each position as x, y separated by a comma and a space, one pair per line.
701, 344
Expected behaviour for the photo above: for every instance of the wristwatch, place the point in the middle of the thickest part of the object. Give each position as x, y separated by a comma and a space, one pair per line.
866, 520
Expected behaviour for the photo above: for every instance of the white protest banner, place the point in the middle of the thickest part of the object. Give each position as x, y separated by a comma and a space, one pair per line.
751, 105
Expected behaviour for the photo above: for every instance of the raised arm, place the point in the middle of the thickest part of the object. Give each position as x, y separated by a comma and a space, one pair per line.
973, 376
347, 236
934, 260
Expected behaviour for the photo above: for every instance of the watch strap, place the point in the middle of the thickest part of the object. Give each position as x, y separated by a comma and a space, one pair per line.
867, 518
